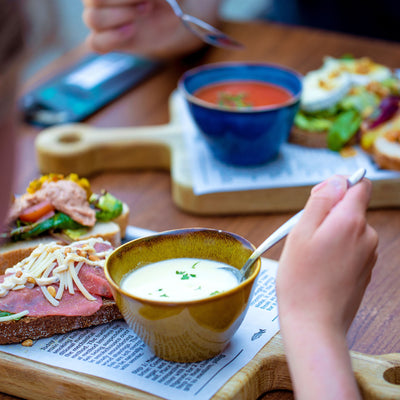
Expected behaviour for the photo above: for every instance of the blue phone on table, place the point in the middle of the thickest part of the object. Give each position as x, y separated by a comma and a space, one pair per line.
87, 86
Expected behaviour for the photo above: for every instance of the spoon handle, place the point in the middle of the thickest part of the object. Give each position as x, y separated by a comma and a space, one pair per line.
356, 177
175, 7
284, 229
275, 237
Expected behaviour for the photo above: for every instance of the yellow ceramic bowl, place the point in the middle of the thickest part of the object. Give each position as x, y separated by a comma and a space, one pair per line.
192, 330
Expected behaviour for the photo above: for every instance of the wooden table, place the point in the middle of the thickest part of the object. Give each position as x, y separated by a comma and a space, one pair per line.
148, 193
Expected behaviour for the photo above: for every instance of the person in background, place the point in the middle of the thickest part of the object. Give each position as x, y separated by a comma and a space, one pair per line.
325, 266
12, 25
150, 28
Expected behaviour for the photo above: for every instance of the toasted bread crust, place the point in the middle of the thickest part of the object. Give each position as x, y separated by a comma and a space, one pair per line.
307, 138
42, 327
312, 139
12, 253
387, 153
387, 162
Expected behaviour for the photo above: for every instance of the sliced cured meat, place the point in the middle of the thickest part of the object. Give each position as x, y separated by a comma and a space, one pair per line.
37, 305
102, 246
94, 280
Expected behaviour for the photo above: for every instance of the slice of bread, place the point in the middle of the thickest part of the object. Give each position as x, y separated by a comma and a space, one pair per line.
386, 153
307, 138
383, 142
312, 139
42, 327
44, 317
13, 252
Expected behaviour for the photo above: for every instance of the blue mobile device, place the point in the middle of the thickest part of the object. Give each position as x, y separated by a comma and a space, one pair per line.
89, 85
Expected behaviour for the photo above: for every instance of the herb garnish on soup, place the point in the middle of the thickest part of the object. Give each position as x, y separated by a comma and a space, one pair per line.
243, 94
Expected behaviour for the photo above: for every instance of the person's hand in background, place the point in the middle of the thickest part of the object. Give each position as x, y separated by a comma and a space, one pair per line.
324, 270
146, 27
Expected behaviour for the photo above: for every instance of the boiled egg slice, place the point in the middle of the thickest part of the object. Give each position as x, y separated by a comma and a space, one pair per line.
362, 70
324, 88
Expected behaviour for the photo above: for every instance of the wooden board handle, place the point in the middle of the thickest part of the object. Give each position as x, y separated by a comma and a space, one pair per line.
86, 150
377, 376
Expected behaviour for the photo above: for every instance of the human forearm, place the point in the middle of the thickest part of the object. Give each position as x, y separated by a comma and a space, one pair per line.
324, 269
319, 360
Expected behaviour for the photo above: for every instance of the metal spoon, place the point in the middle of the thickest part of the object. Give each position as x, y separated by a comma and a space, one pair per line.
281, 232
204, 31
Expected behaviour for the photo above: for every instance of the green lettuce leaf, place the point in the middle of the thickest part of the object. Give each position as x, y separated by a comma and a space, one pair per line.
343, 129
109, 207
312, 123
58, 221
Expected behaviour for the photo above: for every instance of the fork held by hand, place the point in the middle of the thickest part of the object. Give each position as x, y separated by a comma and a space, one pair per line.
204, 31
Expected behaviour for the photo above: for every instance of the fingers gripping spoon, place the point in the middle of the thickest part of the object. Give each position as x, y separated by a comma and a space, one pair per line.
281, 232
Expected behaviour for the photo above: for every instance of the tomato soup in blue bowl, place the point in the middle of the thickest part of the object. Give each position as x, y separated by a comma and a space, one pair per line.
244, 111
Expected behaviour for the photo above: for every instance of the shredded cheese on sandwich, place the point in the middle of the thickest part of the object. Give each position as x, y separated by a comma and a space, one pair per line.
55, 264
11, 317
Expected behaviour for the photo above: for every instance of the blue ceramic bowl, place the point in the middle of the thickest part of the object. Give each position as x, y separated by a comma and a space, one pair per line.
242, 136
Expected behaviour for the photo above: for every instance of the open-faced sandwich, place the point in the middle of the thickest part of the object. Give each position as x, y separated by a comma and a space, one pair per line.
55, 290
60, 208
338, 97
381, 135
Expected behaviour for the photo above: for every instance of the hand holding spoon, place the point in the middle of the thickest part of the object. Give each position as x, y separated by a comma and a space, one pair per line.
281, 232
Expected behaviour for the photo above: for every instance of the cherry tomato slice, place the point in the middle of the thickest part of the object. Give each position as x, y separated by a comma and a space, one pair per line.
33, 213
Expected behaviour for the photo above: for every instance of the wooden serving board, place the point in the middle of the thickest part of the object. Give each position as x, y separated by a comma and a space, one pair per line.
378, 378
87, 150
